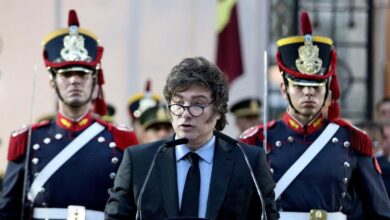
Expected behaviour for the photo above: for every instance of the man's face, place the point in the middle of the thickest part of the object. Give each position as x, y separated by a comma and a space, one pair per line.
199, 129
243, 123
384, 112
157, 131
75, 87
307, 100
138, 129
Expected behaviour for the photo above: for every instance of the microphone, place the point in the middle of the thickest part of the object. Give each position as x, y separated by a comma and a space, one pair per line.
237, 143
168, 144
176, 142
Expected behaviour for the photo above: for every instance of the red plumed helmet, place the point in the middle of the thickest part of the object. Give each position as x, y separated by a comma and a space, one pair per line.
75, 49
139, 102
309, 60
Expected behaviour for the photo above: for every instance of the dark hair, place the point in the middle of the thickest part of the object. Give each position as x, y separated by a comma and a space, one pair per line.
381, 102
199, 71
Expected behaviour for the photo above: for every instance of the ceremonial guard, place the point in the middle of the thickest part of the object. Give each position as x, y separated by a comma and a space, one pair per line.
323, 167
247, 113
64, 167
137, 104
156, 123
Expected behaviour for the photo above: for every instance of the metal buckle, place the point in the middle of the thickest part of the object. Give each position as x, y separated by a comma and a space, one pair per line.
317, 214
76, 212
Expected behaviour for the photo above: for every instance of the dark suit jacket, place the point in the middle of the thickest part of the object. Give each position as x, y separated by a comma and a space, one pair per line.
232, 194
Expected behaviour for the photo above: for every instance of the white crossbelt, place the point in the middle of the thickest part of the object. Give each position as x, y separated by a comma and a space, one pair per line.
80, 141
305, 159
62, 213
306, 216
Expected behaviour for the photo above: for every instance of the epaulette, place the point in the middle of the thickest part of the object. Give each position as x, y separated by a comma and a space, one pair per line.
359, 139
19, 138
254, 135
123, 137
250, 132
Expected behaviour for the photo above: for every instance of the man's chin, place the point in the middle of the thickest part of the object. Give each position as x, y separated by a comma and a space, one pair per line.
308, 113
76, 103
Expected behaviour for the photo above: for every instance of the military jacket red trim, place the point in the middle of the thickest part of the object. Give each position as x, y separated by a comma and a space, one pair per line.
18, 140
123, 138
71, 125
298, 127
360, 141
340, 176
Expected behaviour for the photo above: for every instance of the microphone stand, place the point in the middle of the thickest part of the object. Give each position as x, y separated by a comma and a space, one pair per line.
27, 157
263, 211
259, 193
265, 101
172, 143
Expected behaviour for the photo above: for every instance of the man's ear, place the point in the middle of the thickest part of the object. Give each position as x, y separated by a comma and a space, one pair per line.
283, 90
52, 83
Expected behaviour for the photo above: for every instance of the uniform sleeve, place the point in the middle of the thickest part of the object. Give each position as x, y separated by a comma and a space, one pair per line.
11, 197
267, 186
121, 204
370, 189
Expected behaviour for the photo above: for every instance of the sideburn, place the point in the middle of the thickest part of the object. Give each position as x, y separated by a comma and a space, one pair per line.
211, 117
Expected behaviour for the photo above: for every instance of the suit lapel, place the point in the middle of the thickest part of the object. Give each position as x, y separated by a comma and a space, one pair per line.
222, 170
166, 164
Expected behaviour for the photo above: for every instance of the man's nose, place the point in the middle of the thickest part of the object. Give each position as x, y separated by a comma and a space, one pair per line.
186, 113
308, 90
75, 78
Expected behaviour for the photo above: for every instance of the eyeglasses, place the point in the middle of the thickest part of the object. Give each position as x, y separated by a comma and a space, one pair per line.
194, 110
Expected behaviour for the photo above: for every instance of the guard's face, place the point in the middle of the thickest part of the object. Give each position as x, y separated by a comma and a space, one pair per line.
198, 129
157, 132
384, 112
75, 87
307, 100
243, 123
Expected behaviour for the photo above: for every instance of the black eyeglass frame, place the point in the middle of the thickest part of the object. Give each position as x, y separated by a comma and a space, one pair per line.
188, 107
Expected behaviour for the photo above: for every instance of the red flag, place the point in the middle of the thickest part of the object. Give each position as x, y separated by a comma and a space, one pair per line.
229, 49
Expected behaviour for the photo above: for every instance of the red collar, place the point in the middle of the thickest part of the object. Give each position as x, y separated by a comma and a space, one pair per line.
297, 126
74, 125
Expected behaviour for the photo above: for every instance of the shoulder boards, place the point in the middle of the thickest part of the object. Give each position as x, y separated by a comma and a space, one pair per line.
123, 137
358, 138
19, 138
105, 123
123, 127
19, 131
40, 124
255, 129
270, 124
249, 132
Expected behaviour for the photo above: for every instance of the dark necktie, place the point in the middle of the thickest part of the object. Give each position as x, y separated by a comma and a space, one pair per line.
190, 200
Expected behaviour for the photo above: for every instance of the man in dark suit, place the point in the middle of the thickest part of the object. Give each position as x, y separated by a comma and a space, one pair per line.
197, 94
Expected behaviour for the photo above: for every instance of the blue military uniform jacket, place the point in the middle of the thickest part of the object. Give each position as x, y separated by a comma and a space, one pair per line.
342, 177
384, 162
83, 180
